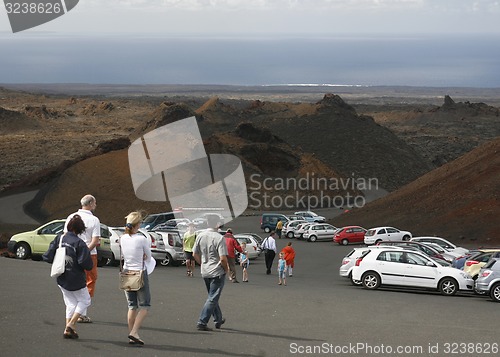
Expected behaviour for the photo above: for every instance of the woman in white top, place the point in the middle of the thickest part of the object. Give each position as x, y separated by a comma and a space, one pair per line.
135, 251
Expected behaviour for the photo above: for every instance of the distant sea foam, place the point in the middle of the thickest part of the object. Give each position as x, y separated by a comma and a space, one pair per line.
432, 61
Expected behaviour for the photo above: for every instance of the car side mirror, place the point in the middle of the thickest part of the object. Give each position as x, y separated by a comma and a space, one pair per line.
431, 264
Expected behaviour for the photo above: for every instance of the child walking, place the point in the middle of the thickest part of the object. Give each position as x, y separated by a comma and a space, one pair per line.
282, 269
244, 262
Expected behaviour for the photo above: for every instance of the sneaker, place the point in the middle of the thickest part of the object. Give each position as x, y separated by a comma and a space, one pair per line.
203, 328
219, 324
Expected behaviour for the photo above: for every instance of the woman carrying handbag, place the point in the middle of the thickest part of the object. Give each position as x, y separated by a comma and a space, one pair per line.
72, 281
136, 251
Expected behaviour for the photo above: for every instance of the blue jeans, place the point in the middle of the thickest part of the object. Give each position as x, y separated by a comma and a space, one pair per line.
211, 307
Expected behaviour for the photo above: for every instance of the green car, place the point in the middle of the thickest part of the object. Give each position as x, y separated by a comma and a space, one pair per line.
36, 242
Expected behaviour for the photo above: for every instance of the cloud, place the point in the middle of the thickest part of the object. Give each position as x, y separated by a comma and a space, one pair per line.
339, 5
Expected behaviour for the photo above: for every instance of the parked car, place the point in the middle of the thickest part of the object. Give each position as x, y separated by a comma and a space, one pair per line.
300, 230
443, 243
447, 254
424, 248
319, 231
173, 245
459, 262
36, 242
268, 221
294, 217
289, 228
310, 216
253, 246
349, 234
204, 218
159, 249
348, 261
409, 269
488, 281
474, 264
176, 223
153, 220
378, 234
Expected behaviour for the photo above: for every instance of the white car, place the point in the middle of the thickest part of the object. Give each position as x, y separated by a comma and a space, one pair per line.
445, 244
320, 231
289, 228
408, 268
158, 246
378, 234
349, 260
253, 246
449, 256
310, 216
300, 230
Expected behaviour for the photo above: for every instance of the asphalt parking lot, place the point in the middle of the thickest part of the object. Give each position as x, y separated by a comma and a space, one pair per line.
317, 313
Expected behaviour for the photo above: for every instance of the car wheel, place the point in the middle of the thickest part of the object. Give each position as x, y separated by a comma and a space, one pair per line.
289, 235
23, 251
102, 262
167, 261
495, 292
112, 261
406, 237
448, 286
345, 242
267, 229
354, 282
378, 241
312, 239
370, 280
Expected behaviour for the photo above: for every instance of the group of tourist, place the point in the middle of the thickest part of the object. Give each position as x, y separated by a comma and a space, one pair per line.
215, 253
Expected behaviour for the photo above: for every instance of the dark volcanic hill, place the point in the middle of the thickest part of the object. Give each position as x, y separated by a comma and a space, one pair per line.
352, 144
459, 201
443, 133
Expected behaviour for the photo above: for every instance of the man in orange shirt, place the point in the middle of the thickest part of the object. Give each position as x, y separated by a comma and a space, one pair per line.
289, 257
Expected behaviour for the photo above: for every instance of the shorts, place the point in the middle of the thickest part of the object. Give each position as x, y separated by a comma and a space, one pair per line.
188, 255
140, 299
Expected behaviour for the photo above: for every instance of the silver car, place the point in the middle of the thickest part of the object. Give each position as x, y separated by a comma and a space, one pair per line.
290, 226
173, 245
488, 280
158, 246
320, 231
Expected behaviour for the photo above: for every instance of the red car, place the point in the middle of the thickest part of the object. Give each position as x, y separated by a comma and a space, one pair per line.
349, 234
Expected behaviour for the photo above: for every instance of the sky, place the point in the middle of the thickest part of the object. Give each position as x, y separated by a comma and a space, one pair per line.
261, 17
260, 42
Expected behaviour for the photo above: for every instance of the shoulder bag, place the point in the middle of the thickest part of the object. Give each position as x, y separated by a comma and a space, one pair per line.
59, 262
130, 280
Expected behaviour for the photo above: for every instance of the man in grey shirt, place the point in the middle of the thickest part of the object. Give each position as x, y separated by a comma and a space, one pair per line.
210, 252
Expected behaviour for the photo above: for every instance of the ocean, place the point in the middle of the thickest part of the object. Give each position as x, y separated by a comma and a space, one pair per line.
365, 60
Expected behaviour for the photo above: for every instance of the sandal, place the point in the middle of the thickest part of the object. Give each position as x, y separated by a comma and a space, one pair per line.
136, 340
70, 333
84, 320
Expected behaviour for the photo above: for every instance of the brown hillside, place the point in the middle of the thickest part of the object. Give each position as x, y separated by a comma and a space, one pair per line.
110, 180
459, 201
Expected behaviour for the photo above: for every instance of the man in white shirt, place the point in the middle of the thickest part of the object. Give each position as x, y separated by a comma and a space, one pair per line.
91, 237
269, 246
